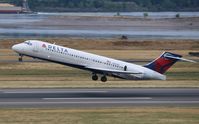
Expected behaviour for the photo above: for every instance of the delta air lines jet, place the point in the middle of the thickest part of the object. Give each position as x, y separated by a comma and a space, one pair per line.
98, 65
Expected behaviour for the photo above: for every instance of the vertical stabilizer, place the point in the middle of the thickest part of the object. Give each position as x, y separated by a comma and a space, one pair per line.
164, 62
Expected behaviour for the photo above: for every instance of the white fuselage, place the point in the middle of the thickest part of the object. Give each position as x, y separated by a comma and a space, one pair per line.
80, 59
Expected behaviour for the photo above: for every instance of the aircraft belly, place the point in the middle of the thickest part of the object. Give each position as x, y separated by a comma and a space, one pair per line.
127, 76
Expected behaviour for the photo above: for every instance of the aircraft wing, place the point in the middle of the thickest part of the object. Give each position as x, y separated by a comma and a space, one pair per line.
104, 70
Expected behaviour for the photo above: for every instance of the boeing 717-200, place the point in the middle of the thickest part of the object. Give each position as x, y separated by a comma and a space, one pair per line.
96, 64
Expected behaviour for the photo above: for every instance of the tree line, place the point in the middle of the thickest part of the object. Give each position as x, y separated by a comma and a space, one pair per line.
110, 5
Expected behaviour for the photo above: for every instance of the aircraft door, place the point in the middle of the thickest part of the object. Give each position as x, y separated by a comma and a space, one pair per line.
35, 47
125, 68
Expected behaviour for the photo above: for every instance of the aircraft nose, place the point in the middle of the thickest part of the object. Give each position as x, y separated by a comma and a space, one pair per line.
16, 47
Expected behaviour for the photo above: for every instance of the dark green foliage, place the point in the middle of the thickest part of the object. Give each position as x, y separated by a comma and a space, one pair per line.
110, 5
16, 2
146, 14
178, 15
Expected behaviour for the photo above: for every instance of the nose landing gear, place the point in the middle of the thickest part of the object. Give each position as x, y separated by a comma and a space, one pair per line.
20, 58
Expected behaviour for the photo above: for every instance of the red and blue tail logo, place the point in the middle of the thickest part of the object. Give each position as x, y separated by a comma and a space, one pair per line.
164, 62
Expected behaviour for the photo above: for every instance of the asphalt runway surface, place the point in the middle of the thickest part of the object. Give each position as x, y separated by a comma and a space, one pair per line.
102, 97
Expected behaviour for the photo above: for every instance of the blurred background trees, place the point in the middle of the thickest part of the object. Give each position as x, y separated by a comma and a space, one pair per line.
110, 5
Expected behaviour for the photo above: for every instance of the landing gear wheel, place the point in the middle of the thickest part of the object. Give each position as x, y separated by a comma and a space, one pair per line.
20, 59
103, 78
95, 77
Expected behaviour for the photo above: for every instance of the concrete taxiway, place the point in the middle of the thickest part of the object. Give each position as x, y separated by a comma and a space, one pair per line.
102, 97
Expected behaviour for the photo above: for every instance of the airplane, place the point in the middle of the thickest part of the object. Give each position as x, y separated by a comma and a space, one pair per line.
96, 64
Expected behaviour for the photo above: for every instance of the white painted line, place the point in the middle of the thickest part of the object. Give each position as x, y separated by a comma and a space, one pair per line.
30, 92
101, 98
104, 102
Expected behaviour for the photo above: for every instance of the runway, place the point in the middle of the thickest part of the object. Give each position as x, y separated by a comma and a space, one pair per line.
102, 97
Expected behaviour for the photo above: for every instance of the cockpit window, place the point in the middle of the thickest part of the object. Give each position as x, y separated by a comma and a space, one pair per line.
28, 43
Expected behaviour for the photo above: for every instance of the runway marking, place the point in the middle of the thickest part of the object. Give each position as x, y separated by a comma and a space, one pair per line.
118, 98
104, 102
36, 92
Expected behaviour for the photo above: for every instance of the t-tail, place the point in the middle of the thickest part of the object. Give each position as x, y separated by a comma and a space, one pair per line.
165, 61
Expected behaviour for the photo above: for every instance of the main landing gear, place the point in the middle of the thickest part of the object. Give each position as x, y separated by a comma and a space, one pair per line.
95, 78
104, 78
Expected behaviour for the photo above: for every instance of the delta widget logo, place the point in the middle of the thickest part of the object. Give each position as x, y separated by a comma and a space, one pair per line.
44, 45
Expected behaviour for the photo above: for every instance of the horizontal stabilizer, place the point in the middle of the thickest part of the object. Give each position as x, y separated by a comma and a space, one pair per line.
181, 59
